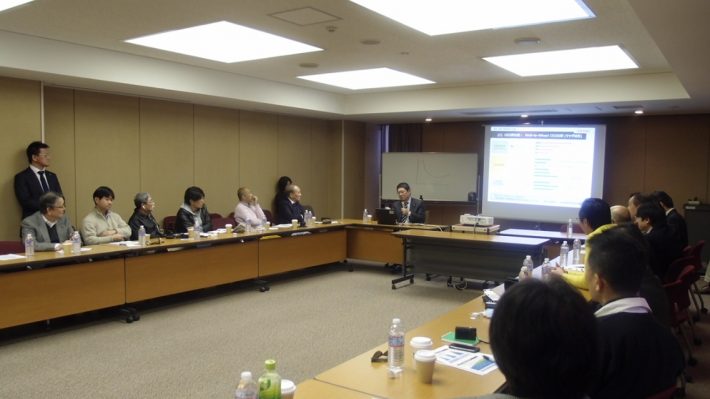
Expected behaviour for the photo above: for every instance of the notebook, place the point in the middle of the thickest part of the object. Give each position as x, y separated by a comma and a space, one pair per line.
385, 216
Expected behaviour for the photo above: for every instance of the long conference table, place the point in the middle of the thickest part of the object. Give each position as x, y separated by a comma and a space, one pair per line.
54, 284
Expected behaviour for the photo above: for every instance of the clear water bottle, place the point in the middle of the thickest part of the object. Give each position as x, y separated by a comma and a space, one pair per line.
545, 269
395, 350
29, 245
75, 243
570, 228
528, 266
270, 382
564, 252
141, 236
576, 249
364, 216
247, 388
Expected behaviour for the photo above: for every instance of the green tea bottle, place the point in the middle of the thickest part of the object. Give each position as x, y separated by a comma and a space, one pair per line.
270, 382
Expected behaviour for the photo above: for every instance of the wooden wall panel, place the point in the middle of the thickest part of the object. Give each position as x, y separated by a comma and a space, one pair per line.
217, 156
167, 154
625, 155
19, 125
258, 138
107, 149
335, 171
321, 161
294, 153
354, 169
59, 133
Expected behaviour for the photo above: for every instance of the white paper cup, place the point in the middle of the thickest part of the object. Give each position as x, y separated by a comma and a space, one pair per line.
424, 362
66, 247
419, 343
288, 389
294, 223
228, 228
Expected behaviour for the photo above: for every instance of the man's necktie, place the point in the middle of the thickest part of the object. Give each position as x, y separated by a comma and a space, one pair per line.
43, 181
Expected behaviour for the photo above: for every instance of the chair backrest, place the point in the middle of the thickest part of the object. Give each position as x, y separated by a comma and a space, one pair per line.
268, 215
695, 251
664, 394
215, 216
676, 267
678, 291
11, 247
169, 223
220, 222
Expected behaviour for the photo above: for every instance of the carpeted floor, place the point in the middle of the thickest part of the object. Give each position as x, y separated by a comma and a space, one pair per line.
196, 345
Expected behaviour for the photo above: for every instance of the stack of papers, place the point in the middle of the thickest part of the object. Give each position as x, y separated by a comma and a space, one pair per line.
477, 363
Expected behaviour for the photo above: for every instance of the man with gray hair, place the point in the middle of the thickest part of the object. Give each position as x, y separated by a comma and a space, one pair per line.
143, 216
620, 214
49, 226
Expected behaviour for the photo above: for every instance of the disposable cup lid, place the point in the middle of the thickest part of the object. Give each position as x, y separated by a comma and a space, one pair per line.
287, 386
425, 356
420, 341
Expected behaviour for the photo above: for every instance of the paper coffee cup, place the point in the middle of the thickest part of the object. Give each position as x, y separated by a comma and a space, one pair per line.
288, 389
228, 228
419, 343
294, 223
66, 247
425, 361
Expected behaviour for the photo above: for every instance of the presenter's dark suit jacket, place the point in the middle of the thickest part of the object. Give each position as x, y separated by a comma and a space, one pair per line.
416, 207
36, 225
664, 248
287, 211
28, 190
677, 223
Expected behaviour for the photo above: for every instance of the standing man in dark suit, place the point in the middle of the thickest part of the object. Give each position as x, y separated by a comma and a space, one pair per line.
36, 180
673, 218
408, 209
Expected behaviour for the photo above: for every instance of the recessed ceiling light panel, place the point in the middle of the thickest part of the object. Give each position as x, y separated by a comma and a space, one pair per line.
8, 4
451, 16
224, 42
590, 59
367, 79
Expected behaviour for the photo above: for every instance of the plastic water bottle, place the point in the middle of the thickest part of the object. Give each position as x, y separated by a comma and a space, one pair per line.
364, 216
75, 243
564, 252
546, 268
141, 236
29, 245
570, 228
270, 382
528, 266
395, 350
576, 249
247, 388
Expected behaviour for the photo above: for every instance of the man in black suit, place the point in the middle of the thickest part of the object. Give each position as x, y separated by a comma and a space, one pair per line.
408, 209
36, 180
290, 208
673, 218
664, 244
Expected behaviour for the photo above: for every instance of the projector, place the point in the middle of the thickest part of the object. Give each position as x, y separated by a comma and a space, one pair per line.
477, 220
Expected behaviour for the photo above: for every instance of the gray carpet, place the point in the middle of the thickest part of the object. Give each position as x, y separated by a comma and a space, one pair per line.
195, 346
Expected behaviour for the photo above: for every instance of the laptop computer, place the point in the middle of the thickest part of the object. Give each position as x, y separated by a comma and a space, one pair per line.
385, 216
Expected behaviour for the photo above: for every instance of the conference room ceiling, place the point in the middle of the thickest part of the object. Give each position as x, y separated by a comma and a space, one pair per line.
81, 43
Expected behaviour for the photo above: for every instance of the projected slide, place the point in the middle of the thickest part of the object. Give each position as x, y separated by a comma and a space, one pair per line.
542, 171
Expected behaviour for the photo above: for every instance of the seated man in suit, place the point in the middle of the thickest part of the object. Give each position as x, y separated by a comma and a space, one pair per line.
101, 225
193, 212
408, 209
549, 349
675, 221
248, 211
664, 244
638, 356
143, 216
49, 226
36, 180
290, 208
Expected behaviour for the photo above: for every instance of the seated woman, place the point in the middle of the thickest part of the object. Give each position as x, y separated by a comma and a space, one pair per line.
248, 211
49, 226
193, 212
281, 185
143, 216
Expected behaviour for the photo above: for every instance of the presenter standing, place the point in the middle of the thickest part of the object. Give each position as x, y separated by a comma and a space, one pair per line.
408, 209
36, 180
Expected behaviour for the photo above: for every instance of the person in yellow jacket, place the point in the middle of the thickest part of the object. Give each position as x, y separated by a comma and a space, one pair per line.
594, 217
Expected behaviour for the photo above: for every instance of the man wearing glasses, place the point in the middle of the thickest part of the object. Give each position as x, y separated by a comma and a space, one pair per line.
49, 226
36, 180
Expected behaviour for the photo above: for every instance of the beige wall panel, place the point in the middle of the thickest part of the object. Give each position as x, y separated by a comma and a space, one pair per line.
19, 126
258, 143
354, 169
167, 153
335, 173
217, 156
676, 156
59, 132
294, 154
625, 160
322, 162
107, 149
372, 166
